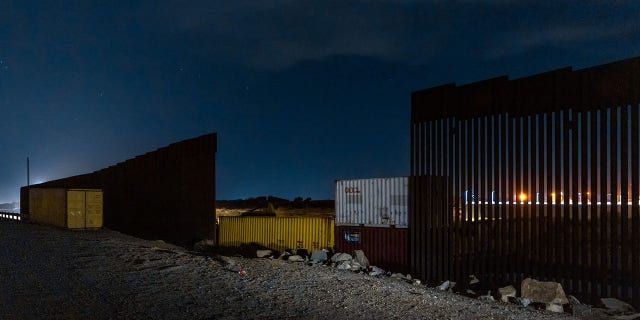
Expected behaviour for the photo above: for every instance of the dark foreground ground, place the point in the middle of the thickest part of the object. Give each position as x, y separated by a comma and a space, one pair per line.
50, 273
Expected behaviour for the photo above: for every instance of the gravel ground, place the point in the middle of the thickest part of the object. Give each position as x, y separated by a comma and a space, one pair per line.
50, 273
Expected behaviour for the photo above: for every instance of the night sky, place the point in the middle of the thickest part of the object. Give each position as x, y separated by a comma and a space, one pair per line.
301, 93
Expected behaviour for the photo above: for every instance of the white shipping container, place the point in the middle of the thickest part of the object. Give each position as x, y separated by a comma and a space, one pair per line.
376, 202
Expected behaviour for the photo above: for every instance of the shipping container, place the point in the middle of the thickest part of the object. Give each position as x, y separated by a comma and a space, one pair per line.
277, 233
377, 202
66, 208
386, 248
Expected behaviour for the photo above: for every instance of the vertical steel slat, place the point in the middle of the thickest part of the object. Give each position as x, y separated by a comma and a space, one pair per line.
438, 213
566, 223
539, 191
466, 263
450, 205
603, 202
506, 189
584, 223
557, 189
594, 203
475, 268
624, 208
481, 250
550, 210
575, 225
491, 180
458, 202
526, 189
635, 209
613, 214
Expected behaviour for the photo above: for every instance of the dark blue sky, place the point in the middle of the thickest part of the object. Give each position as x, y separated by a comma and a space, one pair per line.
300, 92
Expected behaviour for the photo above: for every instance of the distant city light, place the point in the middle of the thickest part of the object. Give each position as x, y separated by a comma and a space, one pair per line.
523, 197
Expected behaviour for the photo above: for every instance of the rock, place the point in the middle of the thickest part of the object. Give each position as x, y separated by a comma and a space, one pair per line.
397, 275
302, 252
523, 302
505, 292
473, 280
234, 268
417, 282
555, 308
263, 253
615, 306
319, 256
543, 292
296, 258
573, 300
361, 258
583, 311
487, 297
408, 277
344, 265
445, 285
224, 260
203, 245
375, 271
341, 257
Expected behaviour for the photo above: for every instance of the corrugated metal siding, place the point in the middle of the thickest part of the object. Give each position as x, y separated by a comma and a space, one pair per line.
73, 209
373, 202
310, 233
386, 248
48, 206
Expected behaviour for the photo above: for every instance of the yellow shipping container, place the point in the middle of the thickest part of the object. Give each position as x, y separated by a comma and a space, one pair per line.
66, 208
311, 233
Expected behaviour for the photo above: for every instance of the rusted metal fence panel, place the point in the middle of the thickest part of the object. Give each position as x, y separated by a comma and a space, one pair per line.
166, 194
535, 177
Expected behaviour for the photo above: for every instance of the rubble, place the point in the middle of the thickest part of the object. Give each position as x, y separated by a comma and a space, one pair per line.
544, 292
616, 307
445, 286
536, 295
505, 292
263, 253
375, 271
296, 258
319, 256
361, 258
338, 257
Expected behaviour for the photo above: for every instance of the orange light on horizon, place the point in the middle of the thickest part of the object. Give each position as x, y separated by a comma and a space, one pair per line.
523, 196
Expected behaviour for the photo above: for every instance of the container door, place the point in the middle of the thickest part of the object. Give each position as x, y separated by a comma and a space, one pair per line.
94, 209
75, 209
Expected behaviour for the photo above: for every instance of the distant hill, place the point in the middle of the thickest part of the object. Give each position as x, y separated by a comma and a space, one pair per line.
9, 206
283, 207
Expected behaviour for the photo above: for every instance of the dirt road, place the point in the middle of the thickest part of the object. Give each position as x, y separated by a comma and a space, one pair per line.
50, 273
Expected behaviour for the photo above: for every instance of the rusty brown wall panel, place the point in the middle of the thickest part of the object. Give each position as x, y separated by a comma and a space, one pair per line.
558, 133
606, 85
165, 194
386, 248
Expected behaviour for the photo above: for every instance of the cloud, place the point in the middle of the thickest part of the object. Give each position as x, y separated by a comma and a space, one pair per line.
564, 34
276, 34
